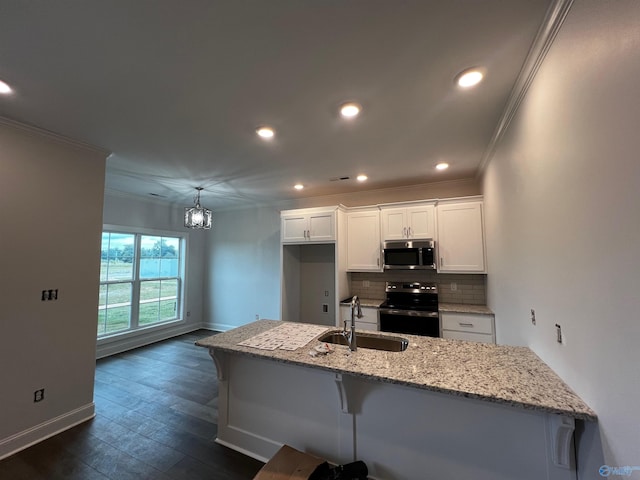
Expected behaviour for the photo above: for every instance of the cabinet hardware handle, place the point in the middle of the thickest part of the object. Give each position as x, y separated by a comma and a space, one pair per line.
409, 234
378, 261
404, 232
465, 324
441, 262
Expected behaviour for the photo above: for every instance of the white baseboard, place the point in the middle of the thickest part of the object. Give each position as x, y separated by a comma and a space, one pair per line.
33, 435
218, 327
140, 338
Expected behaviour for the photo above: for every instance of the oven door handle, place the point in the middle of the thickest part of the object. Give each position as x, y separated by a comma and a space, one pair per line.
411, 313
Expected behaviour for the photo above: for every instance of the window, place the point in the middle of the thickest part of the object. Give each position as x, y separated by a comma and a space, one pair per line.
141, 281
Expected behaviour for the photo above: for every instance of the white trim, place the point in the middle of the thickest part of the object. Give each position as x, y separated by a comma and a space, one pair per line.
140, 338
33, 130
554, 18
38, 433
122, 336
219, 327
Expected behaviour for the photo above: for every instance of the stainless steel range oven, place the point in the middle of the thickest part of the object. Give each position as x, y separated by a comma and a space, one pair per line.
410, 307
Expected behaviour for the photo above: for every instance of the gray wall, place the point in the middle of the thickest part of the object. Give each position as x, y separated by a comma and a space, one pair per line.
51, 194
242, 267
561, 202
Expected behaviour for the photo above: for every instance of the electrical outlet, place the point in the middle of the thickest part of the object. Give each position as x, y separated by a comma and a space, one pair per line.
188, 314
454, 286
325, 308
257, 316
533, 316
559, 338
38, 395
326, 293
366, 284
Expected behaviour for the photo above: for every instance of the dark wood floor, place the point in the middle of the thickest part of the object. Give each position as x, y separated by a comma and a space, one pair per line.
156, 415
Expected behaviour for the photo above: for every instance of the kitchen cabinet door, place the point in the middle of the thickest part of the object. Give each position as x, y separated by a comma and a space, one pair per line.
408, 223
322, 227
460, 244
421, 222
302, 226
294, 228
363, 241
394, 223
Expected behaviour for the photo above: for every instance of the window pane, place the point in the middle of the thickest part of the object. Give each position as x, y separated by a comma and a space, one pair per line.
150, 256
168, 299
124, 276
169, 267
149, 302
116, 258
114, 308
170, 247
160, 256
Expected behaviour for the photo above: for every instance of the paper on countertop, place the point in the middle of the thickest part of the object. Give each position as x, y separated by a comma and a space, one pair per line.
284, 337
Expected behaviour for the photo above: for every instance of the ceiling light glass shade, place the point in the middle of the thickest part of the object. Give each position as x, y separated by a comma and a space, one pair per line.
442, 166
197, 216
361, 178
265, 132
4, 88
350, 110
298, 186
469, 78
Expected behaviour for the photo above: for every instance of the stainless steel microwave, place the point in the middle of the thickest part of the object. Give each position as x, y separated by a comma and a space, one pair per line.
410, 255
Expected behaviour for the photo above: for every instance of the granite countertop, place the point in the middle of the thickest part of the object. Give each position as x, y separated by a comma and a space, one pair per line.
464, 308
364, 302
513, 376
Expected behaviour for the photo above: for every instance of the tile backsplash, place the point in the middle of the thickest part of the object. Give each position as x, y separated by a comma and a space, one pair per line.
469, 289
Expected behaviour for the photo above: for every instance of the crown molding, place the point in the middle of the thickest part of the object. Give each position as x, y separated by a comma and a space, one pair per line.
41, 132
553, 21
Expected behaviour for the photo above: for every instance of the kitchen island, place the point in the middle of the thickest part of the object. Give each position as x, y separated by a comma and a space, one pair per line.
442, 408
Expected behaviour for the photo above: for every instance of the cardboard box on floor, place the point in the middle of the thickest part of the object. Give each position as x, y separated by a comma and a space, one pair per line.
289, 464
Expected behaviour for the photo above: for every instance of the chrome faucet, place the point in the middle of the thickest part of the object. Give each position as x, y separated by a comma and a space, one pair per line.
356, 311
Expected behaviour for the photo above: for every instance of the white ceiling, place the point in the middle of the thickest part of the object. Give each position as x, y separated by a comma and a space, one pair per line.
176, 89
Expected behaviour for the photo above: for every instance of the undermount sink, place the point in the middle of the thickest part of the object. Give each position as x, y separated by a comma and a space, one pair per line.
363, 340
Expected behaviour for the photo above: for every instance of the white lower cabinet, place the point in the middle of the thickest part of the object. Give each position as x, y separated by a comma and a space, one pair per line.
468, 326
369, 320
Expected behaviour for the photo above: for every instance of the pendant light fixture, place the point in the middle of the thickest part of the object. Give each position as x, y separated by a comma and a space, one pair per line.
198, 217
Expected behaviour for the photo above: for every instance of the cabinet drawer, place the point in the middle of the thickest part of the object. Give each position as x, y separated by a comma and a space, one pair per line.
466, 322
470, 337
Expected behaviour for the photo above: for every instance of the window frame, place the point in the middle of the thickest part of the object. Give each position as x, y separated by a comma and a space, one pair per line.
136, 281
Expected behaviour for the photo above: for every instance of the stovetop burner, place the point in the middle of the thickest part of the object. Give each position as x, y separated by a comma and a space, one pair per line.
411, 296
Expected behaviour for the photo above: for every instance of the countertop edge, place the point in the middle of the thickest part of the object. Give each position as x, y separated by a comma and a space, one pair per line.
419, 386
574, 407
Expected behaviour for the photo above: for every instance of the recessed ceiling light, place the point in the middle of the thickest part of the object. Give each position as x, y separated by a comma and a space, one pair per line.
4, 88
265, 132
298, 186
469, 78
350, 110
442, 166
361, 178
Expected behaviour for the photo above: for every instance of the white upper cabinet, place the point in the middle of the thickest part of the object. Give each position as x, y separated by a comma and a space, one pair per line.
363, 241
460, 246
408, 222
308, 225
